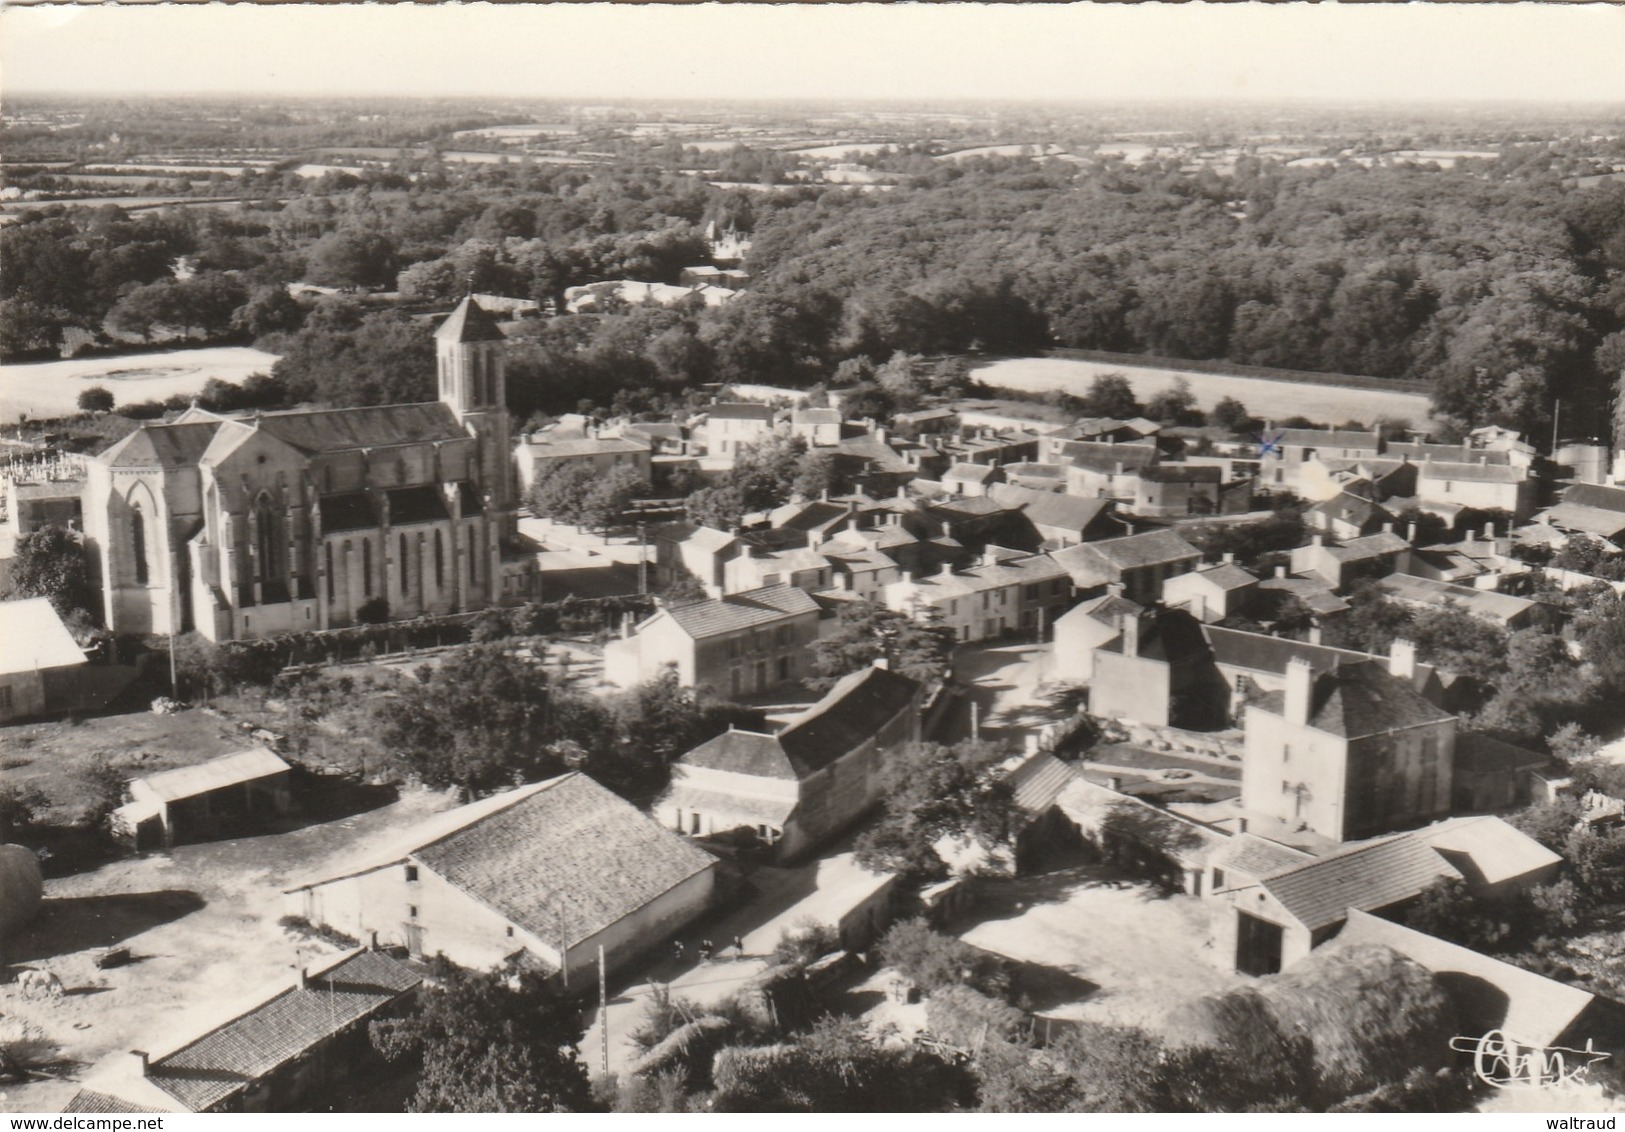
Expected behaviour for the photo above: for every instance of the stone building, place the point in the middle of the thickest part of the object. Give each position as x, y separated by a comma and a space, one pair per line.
279, 522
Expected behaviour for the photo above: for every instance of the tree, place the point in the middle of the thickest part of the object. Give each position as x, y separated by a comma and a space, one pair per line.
1111, 395
352, 258
1231, 415
50, 563
96, 399
28, 327
933, 792
720, 508
865, 632
933, 961
490, 1042
482, 720
1448, 910
562, 491
654, 725
1174, 404
269, 310
611, 496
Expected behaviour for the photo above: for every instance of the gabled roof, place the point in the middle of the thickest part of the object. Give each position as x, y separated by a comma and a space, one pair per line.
156, 445
1130, 552
1471, 472
1351, 508
1367, 547
1603, 497
708, 539
216, 774
379, 426
1369, 876
1261, 653
1419, 450
32, 637
764, 606
566, 861
1171, 635
1488, 994
1181, 473
585, 446
815, 416
743, 752
1318, 596
1258, 856
1488, 604
470, 322
1100, 457
1603, 521
1226, 576
972, 473
1050, 509
1108, 609
1037, 783
740, 411
1487, 850
1360, 698
228, 1059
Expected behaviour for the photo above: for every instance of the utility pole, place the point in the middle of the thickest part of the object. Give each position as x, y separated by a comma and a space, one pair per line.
174, 685
643, 562
603, 1009
1557, 413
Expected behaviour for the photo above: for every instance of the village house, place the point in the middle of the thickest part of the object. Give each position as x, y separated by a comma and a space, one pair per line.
820, 428
554, 870
1255, 663
297, 1051
1479, 485
802, 566
1323, 477
41, 667
1157, 670
292, 521
536, 456
1492, 775
1180, 490
1506, 610
741, 644
1058, 520
1106, 471
1084, 628
1212, 593
663, 438
227, 796
1348, 515
736, 425
697, 551
1339, 565
794, 790
926, 422
971, 479
1007, 591
1348, 752
1291, 448
1035, 476
1140, 563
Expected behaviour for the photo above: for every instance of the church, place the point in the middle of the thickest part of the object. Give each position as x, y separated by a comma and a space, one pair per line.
254, 525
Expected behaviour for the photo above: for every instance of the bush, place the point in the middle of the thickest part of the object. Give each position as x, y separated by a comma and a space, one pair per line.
805, 943
96, 399
933, 961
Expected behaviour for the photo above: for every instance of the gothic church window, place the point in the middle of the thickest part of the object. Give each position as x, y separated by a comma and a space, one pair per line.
138, 544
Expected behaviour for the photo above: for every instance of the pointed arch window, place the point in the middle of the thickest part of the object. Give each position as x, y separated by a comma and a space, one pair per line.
439, 561
366, 566
330, 580
138, 543
405, 569
266, 546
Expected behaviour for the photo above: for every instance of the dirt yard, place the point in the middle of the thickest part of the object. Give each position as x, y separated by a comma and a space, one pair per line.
202, 925
1132, 952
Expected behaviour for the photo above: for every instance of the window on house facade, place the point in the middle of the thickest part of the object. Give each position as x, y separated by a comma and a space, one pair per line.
784, 668
411, 873
411, 911
1032, 591
7, 705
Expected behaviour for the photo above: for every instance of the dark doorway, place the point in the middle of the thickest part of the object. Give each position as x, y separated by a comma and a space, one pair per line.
1258, 945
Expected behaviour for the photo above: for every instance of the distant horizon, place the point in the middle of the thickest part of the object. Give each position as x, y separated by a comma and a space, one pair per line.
1246, 53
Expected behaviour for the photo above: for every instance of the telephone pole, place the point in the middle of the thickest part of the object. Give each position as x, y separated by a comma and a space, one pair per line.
603, 1010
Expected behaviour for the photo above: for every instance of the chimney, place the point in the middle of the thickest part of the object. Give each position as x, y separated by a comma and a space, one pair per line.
1029, 743
1387, 528
1318, 540
823, 495
1114, 782
1129, 623
843, 581
1402, 659
1241, 825
1115, 589
907, 576
883, 662
372, 941
1280, 571
304, 977
902, 491
140, 1056
880, 434
947, 529
1300, 681
947, 570
1482, 460
1314, 634
813, 539
1410, 532
1130, 527
1489, 532
990, 557
1229, 558
1118, 468
626, 626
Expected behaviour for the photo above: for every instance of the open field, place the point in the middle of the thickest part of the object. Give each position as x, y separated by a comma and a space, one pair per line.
1264, 398
51, 389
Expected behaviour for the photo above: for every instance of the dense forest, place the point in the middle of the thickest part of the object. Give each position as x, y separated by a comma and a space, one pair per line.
1498, 282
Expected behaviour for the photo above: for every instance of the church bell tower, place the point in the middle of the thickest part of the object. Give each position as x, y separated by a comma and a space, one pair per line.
469, 354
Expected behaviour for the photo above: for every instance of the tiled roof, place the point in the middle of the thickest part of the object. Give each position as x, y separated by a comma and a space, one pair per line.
756, 807
1108, 609
815, 416
34, 637
88, 1100
1418, 451
1486, 849
1105, 457
1605, 498
1316, 595
1172, 635
348, 511
380, 426
743, 752
567, 861
1130, 552
1368, 547
1471, 473
708, 539
1038, 782
971, 473
582, 446
1351, 508
469, 323
1258, 856
422, 504
740, 411
229, 1058
974, 579
1358, 699
850, 714
1481, 603
1488, 994
216, 774
1261, 653
967, 506
1181, 473
1226, 575
1485, 754
765, 606
1604, 521
1370, 876
161, 445
1049, 509
1329, 438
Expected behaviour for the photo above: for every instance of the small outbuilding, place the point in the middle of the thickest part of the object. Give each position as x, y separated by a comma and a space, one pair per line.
224, 796
39, 661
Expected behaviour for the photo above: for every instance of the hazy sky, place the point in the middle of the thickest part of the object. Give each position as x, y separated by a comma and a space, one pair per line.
971, 51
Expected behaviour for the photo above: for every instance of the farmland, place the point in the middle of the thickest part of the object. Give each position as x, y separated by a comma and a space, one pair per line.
51, 389
1272, 400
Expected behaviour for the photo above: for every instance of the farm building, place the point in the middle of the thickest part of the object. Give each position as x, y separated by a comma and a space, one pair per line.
795, 789
555, 869
223, 796
291, 1053
39, 663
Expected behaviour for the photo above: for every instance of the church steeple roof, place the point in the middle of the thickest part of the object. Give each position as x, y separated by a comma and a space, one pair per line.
470, 322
